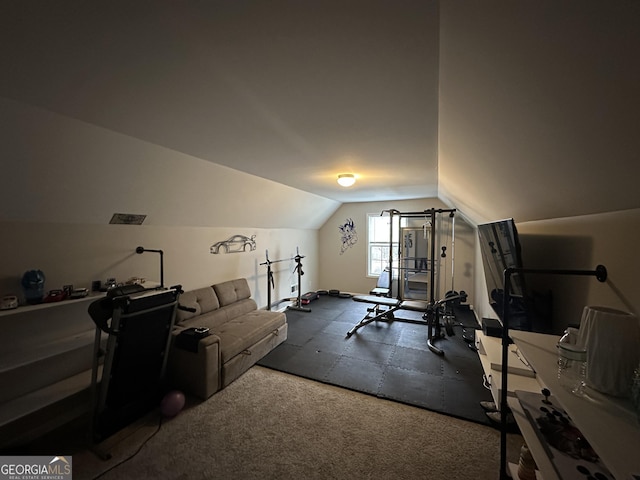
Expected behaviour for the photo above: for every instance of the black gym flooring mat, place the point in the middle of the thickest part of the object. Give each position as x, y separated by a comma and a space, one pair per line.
390, 360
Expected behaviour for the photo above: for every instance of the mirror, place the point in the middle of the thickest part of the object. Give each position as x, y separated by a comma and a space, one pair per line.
500, 249
414, 268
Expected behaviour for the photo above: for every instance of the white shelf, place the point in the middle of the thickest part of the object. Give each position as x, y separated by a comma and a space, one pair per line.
34, 401
493, 349
45, 366
543, 462
42, 306
609, 424
490, 353
62, 303
17, 359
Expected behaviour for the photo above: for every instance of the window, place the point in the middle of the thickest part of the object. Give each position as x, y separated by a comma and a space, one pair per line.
378, 243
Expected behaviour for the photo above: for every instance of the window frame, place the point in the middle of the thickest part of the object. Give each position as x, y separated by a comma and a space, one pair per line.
382, 260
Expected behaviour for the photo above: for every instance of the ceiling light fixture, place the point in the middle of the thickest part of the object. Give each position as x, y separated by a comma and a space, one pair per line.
346, 179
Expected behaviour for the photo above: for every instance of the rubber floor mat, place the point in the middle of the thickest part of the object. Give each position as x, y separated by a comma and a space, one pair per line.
388, 359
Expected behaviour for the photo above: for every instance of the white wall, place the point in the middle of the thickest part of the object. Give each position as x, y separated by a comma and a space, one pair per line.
609, 239
63, 180
577, 243
77, 254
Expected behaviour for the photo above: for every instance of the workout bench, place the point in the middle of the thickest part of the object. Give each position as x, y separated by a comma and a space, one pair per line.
429, 310
376, 312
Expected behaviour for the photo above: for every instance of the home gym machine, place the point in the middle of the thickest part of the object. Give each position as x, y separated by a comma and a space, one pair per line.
128, 377
433, 309
271, 283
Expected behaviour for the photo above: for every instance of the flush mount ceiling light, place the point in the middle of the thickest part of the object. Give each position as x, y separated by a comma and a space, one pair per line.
346, 179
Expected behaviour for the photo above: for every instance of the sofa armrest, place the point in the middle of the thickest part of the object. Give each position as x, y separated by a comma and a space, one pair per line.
197, 373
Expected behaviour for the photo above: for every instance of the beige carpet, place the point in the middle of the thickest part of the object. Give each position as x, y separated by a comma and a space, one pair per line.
272, 425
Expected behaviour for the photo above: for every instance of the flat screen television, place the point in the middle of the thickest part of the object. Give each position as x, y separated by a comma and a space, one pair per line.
500, 247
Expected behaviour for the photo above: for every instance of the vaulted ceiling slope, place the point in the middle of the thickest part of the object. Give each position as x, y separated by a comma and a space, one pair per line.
539, 107
502, 109
61, 170
294, 92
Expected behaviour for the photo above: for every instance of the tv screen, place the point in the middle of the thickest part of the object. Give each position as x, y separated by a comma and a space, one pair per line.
501, 249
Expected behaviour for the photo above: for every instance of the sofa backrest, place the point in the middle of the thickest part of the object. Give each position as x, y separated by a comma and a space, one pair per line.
203, 300
232, 291
207, 299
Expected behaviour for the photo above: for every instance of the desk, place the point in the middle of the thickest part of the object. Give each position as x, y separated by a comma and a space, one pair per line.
609, 424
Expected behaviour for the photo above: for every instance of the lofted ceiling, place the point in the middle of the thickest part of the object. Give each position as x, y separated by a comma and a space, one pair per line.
295, 92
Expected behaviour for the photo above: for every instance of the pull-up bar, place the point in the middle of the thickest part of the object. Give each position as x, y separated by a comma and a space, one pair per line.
269, 262
429, 212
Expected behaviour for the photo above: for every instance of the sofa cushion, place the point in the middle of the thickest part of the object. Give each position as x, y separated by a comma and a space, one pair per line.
211, 320
240, 308
232, 291
215, 318
203, 300
242, 332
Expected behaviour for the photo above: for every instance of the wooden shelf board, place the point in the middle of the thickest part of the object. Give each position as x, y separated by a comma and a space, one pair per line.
32, 402
17, 359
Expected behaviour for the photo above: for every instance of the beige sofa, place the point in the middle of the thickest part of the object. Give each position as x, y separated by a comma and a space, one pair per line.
239, 336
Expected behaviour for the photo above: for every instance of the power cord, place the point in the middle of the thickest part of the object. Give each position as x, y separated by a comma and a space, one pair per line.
133, 454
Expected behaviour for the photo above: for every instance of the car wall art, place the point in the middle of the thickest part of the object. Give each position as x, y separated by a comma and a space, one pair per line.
234, 244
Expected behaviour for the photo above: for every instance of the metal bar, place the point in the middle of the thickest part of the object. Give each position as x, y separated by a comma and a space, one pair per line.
276, 261
433, 256
269, 286
423, 213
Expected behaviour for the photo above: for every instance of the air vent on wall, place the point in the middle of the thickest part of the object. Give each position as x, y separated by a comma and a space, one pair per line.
127, 219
